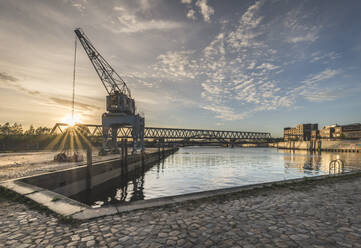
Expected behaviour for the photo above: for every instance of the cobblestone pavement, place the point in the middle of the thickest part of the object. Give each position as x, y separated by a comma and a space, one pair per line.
327, 214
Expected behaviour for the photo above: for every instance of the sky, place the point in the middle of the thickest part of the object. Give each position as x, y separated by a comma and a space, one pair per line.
250, 65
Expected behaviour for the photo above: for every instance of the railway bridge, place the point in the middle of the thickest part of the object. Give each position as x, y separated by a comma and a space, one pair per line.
177, 135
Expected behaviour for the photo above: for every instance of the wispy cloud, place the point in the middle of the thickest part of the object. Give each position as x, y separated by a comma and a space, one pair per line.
248, 31
225, 113
177, 64
323, 75
10, 81
6, 77
79, 4
309, 37
68, 103
191, 14
311, 89
268, 66
321, 94
324, 57
206, 10
299, 29
130, 23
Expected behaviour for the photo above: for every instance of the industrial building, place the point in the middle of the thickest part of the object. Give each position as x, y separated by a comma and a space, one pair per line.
327, 132
301, 132
351, 131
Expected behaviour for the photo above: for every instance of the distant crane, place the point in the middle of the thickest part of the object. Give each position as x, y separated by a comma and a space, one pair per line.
120, 105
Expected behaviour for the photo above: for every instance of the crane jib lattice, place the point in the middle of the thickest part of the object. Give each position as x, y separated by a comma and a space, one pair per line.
174, 133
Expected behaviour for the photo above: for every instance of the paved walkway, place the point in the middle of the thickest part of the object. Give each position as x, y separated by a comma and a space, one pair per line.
324, 215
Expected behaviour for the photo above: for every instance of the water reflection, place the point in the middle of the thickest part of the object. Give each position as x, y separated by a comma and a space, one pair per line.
311, 162
125, 188
206, 168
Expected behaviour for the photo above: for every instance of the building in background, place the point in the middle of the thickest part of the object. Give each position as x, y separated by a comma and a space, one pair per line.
327, 132
301, 132
351, 131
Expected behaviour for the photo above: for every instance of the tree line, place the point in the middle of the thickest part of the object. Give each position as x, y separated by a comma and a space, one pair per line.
16, 129
13, 137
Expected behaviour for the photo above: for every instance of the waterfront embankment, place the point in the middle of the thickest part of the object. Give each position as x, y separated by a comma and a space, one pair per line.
321, 145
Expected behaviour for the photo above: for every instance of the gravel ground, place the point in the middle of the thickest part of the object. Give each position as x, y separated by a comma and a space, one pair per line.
15, 165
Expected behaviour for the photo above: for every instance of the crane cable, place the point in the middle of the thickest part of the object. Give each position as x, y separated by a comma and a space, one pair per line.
73, 101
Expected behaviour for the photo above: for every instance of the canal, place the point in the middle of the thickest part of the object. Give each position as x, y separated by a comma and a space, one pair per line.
195, 169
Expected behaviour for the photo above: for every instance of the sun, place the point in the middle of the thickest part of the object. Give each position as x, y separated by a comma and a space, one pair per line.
71, 121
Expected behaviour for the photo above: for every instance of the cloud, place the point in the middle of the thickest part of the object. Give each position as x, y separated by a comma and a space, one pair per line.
237, 81
267, 66
144, 4
298, 27
176, 64
119, 8
238, 72
186, 1
249, 17
309, 37
68, 103
130, 23
251, 66
191, 14
13, 82
323, 75
321, 95
79, 4
206, 10
247, 31
212, 89
325, 58
312, 91
6, 77
10, 81
225, 112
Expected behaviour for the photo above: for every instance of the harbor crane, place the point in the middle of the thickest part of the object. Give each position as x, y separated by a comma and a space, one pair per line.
120, 106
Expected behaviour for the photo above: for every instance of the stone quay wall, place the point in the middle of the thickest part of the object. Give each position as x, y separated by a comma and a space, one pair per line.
72, 181
321, 145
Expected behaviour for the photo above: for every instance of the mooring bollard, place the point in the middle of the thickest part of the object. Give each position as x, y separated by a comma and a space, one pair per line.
126, 151
89, 163
163, 155
122, 151
142, 156
89, 159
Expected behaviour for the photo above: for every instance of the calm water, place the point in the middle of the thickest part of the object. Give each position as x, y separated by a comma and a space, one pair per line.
206, 168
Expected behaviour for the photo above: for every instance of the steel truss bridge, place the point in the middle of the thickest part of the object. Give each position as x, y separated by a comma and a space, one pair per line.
175, 134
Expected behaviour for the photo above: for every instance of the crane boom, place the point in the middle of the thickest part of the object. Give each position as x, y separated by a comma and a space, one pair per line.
112, 82
119, 104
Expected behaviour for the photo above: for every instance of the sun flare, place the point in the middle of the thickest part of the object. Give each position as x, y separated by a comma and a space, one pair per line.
71, 121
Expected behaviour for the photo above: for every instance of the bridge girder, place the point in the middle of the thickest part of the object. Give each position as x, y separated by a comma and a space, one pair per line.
175, 133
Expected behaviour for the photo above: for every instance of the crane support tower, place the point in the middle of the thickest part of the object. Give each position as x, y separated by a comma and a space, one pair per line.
120, 106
